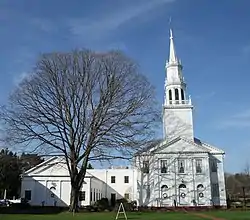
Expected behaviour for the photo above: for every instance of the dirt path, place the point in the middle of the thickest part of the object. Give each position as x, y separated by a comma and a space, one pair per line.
207, 216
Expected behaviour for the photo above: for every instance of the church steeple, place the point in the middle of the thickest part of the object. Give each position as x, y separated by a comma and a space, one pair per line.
172, 55
173, 65
177, 108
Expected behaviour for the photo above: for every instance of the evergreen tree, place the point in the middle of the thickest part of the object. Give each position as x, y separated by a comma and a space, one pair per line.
11, 168
90, 166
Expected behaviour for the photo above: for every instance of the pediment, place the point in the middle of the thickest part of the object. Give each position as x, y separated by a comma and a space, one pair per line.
55, 166
212, 149
180, 145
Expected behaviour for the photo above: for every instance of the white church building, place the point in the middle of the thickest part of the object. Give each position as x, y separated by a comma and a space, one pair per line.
181, 170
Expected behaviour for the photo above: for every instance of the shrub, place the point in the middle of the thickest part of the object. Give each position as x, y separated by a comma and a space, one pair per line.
128, 206
102, 204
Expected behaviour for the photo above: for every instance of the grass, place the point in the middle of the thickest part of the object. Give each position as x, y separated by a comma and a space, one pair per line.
102, 216
230, 215
227, 215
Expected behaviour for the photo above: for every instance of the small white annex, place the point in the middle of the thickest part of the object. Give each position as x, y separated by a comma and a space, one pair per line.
48, 184
181, 170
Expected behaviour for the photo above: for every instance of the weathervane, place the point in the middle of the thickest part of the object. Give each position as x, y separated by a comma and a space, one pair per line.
169, 23
170, 20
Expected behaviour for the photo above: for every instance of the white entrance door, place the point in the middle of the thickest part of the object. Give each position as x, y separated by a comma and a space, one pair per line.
165, 196
183, 197
200, 195
52, 193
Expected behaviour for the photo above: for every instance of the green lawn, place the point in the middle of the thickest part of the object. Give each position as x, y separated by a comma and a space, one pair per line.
228, 215
102, 216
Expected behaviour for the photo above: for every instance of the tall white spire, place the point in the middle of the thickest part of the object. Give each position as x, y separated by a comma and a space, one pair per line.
172, 55
173, 65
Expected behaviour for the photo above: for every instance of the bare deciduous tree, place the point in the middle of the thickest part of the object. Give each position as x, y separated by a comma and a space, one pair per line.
85, 105
246, 169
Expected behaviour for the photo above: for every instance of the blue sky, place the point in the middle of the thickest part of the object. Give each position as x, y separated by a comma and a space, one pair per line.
212, 39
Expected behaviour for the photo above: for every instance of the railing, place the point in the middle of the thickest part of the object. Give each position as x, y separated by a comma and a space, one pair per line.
179, 102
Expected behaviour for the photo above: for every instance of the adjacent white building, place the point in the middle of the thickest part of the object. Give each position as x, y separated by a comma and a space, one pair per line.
48, 184
181, 170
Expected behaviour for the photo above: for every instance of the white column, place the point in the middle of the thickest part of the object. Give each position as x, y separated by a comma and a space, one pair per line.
167, 96
194, 182
173, 95
46, 189
179, 95
60, 192
184, 92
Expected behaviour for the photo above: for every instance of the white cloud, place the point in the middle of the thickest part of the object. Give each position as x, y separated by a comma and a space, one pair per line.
239, 120
206, 95
234, 124
22, 17
19, 77
246, 49
242, 115
98, 27
43, 24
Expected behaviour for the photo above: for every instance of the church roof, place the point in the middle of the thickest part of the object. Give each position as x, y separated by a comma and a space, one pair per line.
208, 146
47, 167
150, 145
200, 146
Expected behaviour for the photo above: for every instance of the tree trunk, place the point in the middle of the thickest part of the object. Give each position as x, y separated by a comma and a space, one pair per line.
74, 199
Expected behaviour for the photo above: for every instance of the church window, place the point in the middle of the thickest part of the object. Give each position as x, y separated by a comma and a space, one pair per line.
82, 196
200, 187
91, 197
181, 166
182, 94
148, 191
170, 94
145, 166
164, 166
27, 194
198, 165
215, 190
164, 190
112, 179
176, 94
126, 179
213, 165
182, 186
94, 195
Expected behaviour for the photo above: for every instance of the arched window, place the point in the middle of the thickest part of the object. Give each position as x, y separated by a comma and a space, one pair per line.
52, 188
181, 166
164, 187
176, 94
182, 95
200, 187
200, 191
170, 94
182, 186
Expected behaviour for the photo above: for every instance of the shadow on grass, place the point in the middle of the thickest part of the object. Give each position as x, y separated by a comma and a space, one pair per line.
32, 210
